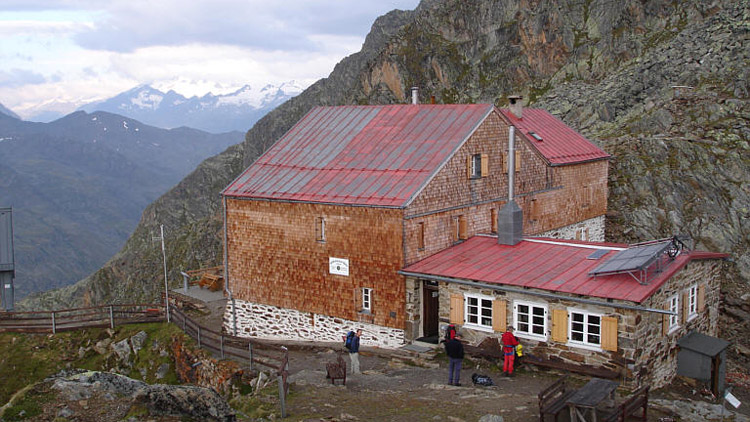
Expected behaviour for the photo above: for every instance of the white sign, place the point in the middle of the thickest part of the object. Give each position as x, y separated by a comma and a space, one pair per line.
732, 400
338, 266
7, 286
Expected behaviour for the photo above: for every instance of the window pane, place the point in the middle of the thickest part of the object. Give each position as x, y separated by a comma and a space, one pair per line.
523, 309
486, 321
577, 317
473, 319
576, 336
473, 301
486, 312
523, 327
577, 326
593, 329
538, 320
538, 311
538, 330
593, 339
594, 319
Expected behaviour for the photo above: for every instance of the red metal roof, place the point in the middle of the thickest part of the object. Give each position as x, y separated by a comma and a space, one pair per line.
364, 155
560, 144
551, 265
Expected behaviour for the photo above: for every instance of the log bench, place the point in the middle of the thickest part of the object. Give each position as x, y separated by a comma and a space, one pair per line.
336, 370
628, 408
553, 399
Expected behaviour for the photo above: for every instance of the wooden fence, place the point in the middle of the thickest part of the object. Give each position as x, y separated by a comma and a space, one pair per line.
79, 318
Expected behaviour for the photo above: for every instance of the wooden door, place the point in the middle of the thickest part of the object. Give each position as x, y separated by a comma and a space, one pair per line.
430, 300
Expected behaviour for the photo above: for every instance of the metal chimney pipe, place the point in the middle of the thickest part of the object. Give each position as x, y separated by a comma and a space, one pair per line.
511, 162
415, 95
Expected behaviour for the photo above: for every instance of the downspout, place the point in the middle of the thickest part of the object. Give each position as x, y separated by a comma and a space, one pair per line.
226, 270
503, 288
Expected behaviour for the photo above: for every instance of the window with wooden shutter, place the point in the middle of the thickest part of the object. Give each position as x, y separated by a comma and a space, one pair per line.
463, 227
609, 333
701, 298
499, 315
457, 309
485, 165
685, 307
560, 325
506, 162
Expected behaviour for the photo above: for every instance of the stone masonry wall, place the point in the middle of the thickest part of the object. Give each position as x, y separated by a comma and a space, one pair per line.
274, 258
656, 353
272, 322
591, 230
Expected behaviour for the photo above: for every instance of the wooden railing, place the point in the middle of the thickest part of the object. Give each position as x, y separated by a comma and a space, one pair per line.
79, 318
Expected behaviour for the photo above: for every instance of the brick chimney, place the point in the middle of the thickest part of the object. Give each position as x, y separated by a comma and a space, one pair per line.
515, 105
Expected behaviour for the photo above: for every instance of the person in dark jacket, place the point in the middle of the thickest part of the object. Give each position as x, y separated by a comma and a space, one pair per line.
455, 351
354, 352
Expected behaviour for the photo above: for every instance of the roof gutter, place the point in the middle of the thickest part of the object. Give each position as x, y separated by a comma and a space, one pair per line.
545, 295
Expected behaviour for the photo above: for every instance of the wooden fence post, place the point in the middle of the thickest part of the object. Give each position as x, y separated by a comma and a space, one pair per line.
111, 318
54, 329
199, 336
221, 337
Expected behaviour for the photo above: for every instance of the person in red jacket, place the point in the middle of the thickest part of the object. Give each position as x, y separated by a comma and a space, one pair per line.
509, 351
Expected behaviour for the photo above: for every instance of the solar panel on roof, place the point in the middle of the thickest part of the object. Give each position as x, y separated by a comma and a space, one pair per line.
598, 254
637, 258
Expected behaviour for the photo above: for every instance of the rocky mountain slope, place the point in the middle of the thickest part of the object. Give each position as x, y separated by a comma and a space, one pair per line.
78, 186
8, 112
238, 110
663, 86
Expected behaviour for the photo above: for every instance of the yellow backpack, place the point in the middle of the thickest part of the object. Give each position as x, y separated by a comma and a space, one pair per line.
519, 350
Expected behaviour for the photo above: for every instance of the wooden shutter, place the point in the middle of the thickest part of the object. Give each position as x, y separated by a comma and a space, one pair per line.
701, 300
505, 162
499, 315
493, 220
560, 325
420, 235
518, 160
468, 167
609, 333
485, 165
665, 323
685, 307
457, 309
462, 227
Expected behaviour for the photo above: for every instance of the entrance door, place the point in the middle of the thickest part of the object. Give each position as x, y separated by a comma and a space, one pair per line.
430, 300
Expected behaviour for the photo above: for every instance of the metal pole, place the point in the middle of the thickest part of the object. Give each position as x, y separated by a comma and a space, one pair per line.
199, 336
166, 287
111, 318
282, 396
250, 348
54, 329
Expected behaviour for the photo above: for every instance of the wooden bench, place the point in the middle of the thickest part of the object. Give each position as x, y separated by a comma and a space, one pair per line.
552, 399
628, 408
211, 281
336, 370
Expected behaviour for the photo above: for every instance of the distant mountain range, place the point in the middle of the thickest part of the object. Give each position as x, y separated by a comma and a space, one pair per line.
78, 186
8, 112
212, 113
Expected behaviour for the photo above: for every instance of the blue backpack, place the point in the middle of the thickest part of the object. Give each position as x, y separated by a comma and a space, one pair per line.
348, 341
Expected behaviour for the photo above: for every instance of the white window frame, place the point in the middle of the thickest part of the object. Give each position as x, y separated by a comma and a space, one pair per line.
692, 302
530, 334
585, 343
674, 306
467, 315
367, 299
476, 166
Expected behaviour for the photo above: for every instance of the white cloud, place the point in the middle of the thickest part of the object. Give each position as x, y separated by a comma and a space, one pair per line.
66, 52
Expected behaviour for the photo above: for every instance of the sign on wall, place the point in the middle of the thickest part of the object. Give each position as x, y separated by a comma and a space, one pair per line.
338, 266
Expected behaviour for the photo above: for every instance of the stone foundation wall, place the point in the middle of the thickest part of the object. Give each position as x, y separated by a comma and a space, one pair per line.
272, 322
591, 230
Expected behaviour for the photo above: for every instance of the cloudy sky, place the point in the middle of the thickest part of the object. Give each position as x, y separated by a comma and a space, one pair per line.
57, 54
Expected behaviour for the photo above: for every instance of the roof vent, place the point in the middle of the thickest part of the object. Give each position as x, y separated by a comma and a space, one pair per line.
535, 136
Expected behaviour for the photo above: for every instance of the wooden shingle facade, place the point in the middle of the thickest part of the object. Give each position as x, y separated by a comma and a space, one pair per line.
318, 228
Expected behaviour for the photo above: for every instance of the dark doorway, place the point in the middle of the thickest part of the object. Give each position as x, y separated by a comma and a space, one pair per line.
430, 299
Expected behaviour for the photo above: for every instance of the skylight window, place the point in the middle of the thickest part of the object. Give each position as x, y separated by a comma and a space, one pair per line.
535, 136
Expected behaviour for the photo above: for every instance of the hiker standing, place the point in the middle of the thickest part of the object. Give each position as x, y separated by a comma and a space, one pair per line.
354, 351
509, 351
455, 351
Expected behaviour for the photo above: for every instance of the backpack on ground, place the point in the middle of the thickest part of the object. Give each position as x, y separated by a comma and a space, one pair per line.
483, 380
348, 340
